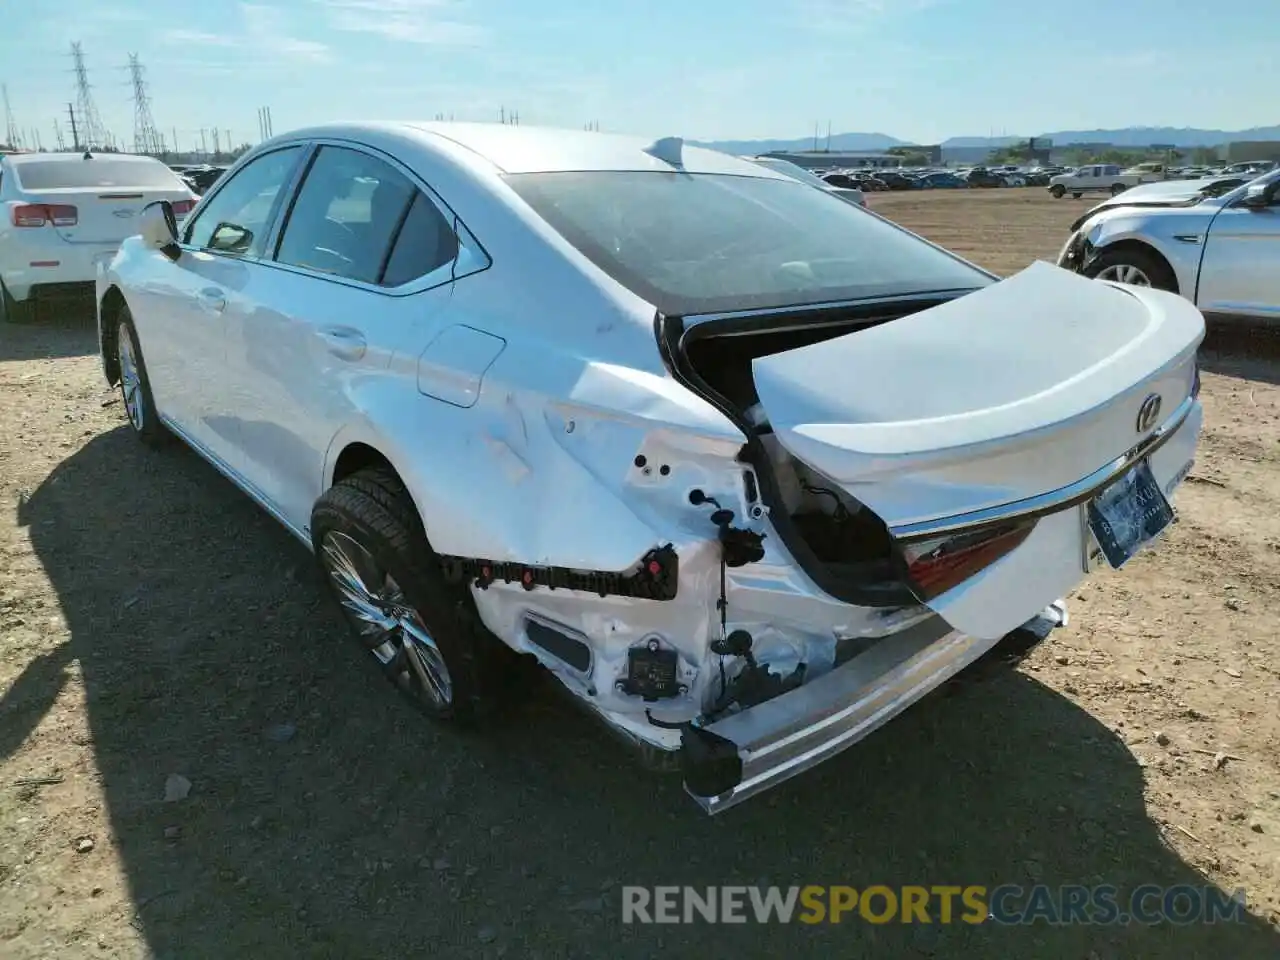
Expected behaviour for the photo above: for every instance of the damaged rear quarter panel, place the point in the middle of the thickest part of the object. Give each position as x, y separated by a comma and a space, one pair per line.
541, 468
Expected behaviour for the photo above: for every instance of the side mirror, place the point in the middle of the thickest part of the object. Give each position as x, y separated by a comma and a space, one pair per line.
1258, 196
159, 226
230, 238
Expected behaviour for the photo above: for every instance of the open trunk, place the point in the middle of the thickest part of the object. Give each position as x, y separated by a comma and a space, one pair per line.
980, 451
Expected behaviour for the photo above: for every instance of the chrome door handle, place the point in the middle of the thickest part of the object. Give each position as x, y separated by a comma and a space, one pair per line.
343, 342
211, 298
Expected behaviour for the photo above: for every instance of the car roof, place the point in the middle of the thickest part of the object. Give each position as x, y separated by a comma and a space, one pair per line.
532, 149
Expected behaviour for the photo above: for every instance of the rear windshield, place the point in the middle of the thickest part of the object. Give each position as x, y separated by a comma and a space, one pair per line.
98, 172
710, 243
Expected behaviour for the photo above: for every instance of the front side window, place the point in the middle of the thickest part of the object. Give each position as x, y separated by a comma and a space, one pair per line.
705, 243
347, 215
236, 219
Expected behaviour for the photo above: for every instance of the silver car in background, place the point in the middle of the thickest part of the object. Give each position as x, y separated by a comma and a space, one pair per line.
1219, 250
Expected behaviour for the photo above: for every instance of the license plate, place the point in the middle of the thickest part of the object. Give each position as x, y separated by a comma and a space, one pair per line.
1128, 514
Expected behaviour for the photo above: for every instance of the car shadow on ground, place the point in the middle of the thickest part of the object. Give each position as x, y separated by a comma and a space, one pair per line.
1248, 351
327, 819
55, 334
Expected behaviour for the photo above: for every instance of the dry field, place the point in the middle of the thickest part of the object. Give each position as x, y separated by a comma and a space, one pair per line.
153, 623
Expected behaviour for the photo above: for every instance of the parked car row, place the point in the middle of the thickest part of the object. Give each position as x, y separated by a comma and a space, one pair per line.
747, 470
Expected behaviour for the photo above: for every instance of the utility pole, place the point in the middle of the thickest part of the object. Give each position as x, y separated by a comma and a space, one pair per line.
57, 134
75, 132
502, 114
175, 139
204, 148
217, 147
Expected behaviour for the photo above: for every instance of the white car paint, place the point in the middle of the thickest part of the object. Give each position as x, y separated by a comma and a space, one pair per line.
94, 214
541, 415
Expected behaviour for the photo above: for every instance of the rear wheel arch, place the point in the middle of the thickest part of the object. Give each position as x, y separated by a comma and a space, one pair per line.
109, 310
357, 456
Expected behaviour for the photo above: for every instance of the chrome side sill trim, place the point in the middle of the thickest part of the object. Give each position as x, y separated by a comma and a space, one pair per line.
1054, 500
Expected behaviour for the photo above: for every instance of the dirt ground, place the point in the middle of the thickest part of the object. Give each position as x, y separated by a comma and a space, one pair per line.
153, 622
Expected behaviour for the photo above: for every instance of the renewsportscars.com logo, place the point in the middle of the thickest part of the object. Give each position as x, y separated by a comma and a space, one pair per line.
973, 904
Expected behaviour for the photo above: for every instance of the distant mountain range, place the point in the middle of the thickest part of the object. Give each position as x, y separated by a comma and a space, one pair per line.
1125, 137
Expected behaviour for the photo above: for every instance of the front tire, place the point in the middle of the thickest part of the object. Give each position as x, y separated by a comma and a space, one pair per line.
135, 385
1057, 191
1133, 266
421, 630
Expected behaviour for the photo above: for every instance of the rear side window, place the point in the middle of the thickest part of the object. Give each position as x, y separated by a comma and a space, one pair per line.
100, 172
426, 242
346, 215
358, 217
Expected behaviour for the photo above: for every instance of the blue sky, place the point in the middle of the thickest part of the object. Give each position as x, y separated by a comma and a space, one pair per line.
918, 69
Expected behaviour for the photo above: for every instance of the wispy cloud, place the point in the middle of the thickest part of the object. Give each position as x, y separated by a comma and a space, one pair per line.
428, 22
198, 38
854, 16
268, 27
265, 31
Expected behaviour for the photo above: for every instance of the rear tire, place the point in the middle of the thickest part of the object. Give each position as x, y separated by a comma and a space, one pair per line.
1118, 188
13, 311
135, 385
421, 630
1076, 196
1133, 266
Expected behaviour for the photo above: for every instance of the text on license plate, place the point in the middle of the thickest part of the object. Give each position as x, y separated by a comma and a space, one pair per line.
1128, 514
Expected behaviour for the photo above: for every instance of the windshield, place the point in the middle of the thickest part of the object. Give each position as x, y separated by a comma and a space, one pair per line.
100, 172
709, 243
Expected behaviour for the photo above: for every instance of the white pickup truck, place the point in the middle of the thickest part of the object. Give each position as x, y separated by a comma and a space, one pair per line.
1104, 176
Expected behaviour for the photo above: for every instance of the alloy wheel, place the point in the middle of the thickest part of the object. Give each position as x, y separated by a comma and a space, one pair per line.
1125, 273
389, 626
130, 378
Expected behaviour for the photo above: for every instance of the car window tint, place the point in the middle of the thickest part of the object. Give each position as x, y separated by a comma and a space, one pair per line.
236, 218
346, 215
426, 241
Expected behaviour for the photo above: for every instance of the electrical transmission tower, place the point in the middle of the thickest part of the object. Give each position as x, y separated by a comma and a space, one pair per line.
146, 139
11, 135
92, 132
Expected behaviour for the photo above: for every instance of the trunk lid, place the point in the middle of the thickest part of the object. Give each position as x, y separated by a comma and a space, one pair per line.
106, 215
1024, 389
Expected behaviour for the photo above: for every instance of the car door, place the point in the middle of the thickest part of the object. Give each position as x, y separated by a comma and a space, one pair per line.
1240, 269
182, 327
360, 274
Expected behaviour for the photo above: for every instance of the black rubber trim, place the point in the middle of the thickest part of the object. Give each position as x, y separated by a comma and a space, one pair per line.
657, 577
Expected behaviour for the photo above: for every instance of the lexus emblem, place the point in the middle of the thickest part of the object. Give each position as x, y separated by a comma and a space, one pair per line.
1149, 413
122, 213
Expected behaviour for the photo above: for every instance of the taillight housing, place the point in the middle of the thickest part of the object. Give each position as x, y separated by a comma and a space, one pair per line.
937, 565
40, 214
182, 207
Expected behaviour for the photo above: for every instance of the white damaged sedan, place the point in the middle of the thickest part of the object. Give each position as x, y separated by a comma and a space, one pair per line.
749, 469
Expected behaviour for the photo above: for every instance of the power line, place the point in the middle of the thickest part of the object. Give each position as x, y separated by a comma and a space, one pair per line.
92, 132
146, 138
